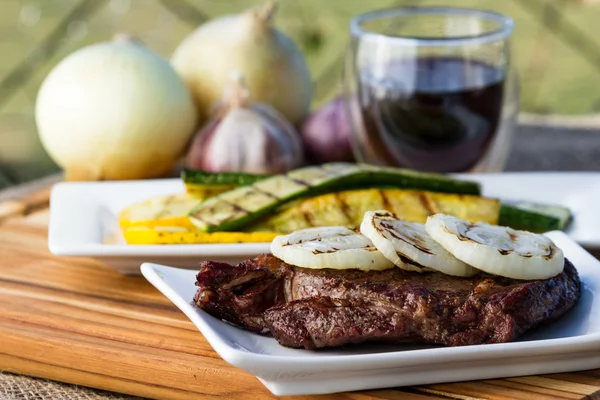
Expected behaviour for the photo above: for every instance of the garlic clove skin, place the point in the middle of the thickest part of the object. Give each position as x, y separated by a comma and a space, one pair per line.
274, 68
114, 110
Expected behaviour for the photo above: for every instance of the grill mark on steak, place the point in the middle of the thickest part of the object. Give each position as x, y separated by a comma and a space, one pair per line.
323, 308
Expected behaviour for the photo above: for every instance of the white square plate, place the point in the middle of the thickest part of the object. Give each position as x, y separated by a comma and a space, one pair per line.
83, 215
569, 344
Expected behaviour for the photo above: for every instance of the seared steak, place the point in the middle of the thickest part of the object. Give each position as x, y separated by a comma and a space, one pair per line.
323, 308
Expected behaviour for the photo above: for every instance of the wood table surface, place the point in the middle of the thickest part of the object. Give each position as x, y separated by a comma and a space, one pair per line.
75, 320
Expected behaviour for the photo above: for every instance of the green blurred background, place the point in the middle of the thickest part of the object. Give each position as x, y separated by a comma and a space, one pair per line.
556, 48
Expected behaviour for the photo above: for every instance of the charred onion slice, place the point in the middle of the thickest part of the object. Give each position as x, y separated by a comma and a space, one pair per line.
333, 247
497, 250
409, 246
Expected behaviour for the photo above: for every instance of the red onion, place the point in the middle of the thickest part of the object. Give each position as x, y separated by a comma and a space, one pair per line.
326, 133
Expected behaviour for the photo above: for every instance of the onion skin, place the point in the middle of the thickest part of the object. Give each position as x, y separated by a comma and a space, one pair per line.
273, 67
114, 111
326, 133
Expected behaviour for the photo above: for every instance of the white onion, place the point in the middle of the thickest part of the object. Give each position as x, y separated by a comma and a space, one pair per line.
273, 67
115, 110
334, 247
497, 250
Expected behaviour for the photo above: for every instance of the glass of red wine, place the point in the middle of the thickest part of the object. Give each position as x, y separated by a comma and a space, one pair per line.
431, 89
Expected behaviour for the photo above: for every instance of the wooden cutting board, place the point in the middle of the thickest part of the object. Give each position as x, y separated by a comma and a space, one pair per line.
77, 321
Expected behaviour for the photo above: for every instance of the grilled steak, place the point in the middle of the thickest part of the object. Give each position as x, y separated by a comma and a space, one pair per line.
323, 308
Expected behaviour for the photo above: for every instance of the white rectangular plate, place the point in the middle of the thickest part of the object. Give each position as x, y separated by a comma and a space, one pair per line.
83, 215
572, 343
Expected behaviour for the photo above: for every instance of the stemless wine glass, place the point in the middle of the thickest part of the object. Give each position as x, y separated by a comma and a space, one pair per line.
431, 89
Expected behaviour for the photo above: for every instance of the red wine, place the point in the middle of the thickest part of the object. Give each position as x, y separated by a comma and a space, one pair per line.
433, 114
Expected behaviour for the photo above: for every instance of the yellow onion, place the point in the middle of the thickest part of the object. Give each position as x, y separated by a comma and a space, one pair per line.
245, 137
115, 110
273, 67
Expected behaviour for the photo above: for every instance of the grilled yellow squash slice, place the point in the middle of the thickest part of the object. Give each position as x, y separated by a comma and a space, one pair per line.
348, 208
170, 210
160, 211
178, 235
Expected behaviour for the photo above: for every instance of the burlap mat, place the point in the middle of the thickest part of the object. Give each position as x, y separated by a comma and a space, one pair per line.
17, 387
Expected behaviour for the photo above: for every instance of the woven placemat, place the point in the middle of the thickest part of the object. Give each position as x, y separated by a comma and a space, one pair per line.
17, 387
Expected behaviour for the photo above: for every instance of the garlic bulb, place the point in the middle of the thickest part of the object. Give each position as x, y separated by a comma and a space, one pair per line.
245, 137
115, 110
273, 67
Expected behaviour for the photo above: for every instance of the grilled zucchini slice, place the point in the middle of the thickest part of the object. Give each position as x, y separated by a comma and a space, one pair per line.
238, 208
209, 184
534, 217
